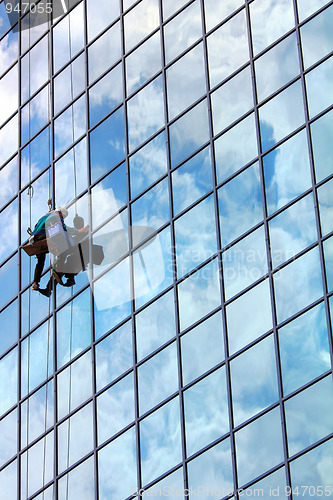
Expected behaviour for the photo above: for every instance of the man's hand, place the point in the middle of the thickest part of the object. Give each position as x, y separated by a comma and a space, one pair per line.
84, 229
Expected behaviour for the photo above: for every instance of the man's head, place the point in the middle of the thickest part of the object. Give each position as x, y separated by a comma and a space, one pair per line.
63, 211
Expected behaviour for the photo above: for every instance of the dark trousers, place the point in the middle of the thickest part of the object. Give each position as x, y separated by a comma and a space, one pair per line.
39, 267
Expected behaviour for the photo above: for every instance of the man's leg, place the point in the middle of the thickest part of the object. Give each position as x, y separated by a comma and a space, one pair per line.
38, 270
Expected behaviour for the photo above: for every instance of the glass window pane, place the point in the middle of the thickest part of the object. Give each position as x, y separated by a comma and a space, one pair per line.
145, 112
138, 24
254, 380
143, 63
189, 132
100, 17
321, 133
105, 95
114, 355
8, 139
195, 236
9, 326
34, 69
108, 44
9, 230
8, 275
34, 307
68, 37
199, 294
36, 156
287, 172
117, 401
118, 460
236, 147
316, 37
277, 67
182, 31
69, 84
319, 87
186, 81
8, 480
240, 333
292, 230
155, 325
298, 284
35, 115
79, 483
9, 94
304, 350
272, 485
37, 466
158, 378
71, 174
307, 7
148, 164
227, 48
160, 441
37, 414
9, 47
244, 263
73, 442
6, 22
8, 181
212, 472
232, 100
240, 204
308, 415
70, 125
281, 115
206, 411
259, 446
270, 21
8, 436
174, 480
192, 180
170, 8
202, 348
325, 198
328, 256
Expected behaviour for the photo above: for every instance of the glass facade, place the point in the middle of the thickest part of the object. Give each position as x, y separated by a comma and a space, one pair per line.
196, 361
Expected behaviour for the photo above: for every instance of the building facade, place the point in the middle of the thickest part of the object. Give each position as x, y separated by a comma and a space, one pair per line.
195, 138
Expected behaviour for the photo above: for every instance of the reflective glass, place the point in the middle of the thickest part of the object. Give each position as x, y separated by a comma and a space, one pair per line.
74, 385
37, 414
114, 355
152, 209
298, 284
69, 84
5, 22
182, 31
105, 95
35, 114
155, 325
195, 236
308, 415
107, 45
8, 139
9, 94
137, 24
321, 133
160, 441
236, 147
287, 172
143, 63
192, 180
68, 37
8, 436
199, 294
170, 8
145, 113
269, 21
240, 204
37, 466
9, 230
75, 437
202, 348
281, 115
8, 480
35, 156
255, 306
107, 144
148, 164
313, 469
8, 181
228, 48
9, 326
244, 263
304, 350
100, 16
254, 380
34, 69
117, 401
9, 275
216, 10
292, 230
319, 87
158, 378
307, 7
186, 81
328, 256
34, 307
73, 328
206, 411
71, 174
325, 198
70, 125
316, 37
272, 485
170, 484
232, 100
118, 460
211, 473
259, 446
189, 132
79, 483
277, 67
9, 50
31, 30
47, 494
